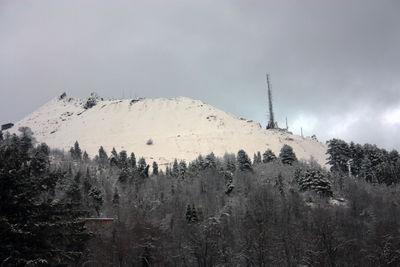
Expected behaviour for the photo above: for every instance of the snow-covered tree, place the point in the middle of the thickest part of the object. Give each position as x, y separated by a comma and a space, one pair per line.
317, 181
243, 160
30, 214
268, 156
76, 152
339, 155
210, 162
286, 155
103, 158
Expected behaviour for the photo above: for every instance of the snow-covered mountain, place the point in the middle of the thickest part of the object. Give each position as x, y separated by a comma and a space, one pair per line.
179, 128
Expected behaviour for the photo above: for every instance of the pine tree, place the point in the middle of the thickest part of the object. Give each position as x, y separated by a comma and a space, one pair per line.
123, 175
244, 163
394, 156
40, 161
316, 180
210, 162
30, 214
76, 152
230, 162
86, 186
201, 162
259, 159
228, 178
339, 155
123, 159
356, 155
279, 184
114, 159
103, 158
74, 193
85, 156
155, 168
268, 156
175, 169
182, 169
143, 168
132, 160
191, 214
96, 198
287, 156
194, 218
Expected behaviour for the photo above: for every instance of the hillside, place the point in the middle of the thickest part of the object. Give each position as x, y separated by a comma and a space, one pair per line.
180, 128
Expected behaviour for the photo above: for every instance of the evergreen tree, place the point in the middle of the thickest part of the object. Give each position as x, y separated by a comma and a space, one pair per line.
259, 159
143, 168
123, 159
243, 160
96, 199
194, 217
191, 214
85, 156
36, 229
316, 180
114, 159
26, 142
201, 162
103, 158
155, 168
132, 160
74, 193
210, 162
268, 156
287, 156
86, 185
339, 155
175, 169
394, 156
228, 178
123, 175
182, 169
356, 155
279, 184
230, 162
40, 161
76, 152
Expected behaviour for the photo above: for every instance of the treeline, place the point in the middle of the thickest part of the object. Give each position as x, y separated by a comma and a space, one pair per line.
274, 210
368, 162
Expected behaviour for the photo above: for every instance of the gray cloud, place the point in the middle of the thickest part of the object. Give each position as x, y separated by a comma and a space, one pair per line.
332, 64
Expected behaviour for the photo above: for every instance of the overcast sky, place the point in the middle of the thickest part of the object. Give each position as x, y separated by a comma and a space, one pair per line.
334, 65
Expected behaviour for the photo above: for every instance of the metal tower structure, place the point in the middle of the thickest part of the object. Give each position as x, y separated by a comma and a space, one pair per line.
271, 122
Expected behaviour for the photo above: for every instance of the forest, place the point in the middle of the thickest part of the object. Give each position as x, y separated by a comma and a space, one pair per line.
66, 209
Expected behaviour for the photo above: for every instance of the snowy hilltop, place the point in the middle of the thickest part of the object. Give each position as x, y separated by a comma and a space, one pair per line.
157, 129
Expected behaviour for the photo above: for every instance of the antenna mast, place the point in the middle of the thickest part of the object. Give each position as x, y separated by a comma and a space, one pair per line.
271, 123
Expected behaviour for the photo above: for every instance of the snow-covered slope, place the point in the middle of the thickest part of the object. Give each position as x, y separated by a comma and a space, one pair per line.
180, 128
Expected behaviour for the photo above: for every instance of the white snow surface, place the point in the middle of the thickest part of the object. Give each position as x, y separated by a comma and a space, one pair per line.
180, 128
